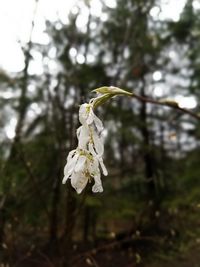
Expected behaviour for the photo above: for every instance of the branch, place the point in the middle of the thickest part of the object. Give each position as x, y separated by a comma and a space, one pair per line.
114, 244
166, 103
23, 94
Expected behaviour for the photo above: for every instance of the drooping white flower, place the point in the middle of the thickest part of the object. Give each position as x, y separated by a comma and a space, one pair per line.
83, 135
88, 135
79, 181
81, 167
97, 142
99, 158
83, 164
87, 116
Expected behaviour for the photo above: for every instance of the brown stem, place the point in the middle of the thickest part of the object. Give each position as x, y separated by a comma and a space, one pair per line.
166, 103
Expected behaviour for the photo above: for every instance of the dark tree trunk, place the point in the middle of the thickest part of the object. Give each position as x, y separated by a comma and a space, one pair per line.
54, 211
147, 154
23, 103
153, 202
2, 219
70, 215
86, 223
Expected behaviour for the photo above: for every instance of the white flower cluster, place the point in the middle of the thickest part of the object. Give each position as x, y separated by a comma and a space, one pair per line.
85, 161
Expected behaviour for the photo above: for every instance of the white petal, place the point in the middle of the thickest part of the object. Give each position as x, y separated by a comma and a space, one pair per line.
83, 137
90, 118
79, 181
98, 123
98, 144
83, 113
69, 167
93, 167
97, 187
103, 167
78, 132
71, 154
65, 179
80, 163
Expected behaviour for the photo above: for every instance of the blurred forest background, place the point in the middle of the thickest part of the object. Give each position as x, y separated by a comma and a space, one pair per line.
149, 212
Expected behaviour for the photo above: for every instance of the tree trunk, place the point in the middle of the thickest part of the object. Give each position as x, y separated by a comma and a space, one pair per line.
70, 215
54, 211
147, 154
2, 219
86, 223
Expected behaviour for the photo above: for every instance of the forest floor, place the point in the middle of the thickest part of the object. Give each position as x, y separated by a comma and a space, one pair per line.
142, 253
191, 258
188, 256
122, 258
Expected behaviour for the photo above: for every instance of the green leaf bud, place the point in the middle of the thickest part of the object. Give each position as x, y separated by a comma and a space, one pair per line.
112, 90
169, 102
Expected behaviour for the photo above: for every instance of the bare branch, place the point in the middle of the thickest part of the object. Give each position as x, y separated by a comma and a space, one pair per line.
166, 103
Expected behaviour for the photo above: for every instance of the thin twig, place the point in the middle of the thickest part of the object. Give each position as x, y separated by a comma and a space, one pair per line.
113, 245
166, 103
94, 261
46, 258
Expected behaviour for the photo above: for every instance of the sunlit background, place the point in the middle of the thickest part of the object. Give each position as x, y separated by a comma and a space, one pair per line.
16, 25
